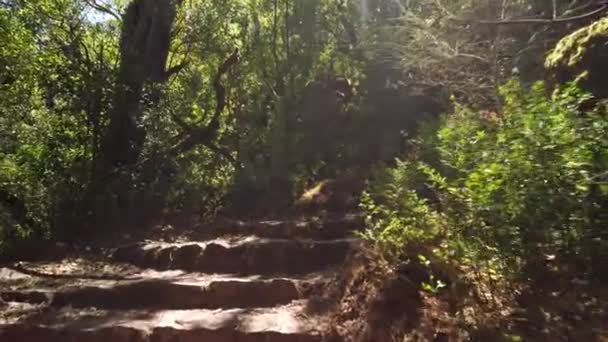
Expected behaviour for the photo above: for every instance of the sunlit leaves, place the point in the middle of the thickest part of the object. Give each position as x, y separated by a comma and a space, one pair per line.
506, 189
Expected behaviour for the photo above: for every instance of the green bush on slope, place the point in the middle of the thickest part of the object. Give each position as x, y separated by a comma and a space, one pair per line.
507, 187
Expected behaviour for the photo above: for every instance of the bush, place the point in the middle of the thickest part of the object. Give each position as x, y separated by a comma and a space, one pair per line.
396, 214
511, 187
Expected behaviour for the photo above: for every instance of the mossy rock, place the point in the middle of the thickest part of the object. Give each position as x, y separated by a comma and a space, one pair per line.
575, 47
585, 51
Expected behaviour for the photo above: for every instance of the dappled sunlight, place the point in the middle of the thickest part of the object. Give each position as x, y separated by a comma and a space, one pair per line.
288, 170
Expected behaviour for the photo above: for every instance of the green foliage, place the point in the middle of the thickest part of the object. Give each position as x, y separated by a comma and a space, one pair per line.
59, 74
396, 215
510, 187
43, 151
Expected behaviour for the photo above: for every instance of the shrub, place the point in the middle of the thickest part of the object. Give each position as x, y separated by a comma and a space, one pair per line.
513, 187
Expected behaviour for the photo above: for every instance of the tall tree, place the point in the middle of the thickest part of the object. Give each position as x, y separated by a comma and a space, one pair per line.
144, 49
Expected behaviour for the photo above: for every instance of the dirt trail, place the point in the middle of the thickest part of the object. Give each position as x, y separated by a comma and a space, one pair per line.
237, 281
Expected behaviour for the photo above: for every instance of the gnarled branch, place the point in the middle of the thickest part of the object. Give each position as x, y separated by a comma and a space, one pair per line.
193, 136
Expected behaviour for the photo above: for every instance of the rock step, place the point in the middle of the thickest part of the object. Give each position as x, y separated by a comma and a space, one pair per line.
251, 255
166, 294
322, 229
281, 324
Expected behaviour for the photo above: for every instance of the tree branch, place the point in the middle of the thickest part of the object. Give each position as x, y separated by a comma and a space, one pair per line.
571, 9
468, 55
597, 11
175, 69
181, 123
103, 9
206, 134
222, 152
554, 9
190, 136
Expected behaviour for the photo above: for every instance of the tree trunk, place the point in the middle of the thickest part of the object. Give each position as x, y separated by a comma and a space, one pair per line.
144, 48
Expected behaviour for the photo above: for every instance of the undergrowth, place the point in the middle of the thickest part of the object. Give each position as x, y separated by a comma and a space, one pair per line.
495, 204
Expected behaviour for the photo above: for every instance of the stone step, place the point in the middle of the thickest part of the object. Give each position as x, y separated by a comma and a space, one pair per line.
245, 255
321, 229
166, 294
127, 287
287, 323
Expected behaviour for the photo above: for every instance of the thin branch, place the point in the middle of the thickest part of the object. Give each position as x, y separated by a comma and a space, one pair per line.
588, 15
220, 90
571, 9
443, 8
175, 69
554, 5
222, 152
267, 83
103, 9
181, 123
468, 55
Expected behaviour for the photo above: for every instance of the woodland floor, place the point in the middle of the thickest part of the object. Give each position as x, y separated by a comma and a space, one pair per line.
297, 279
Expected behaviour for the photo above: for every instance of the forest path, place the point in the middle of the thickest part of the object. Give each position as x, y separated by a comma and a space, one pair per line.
237, 281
